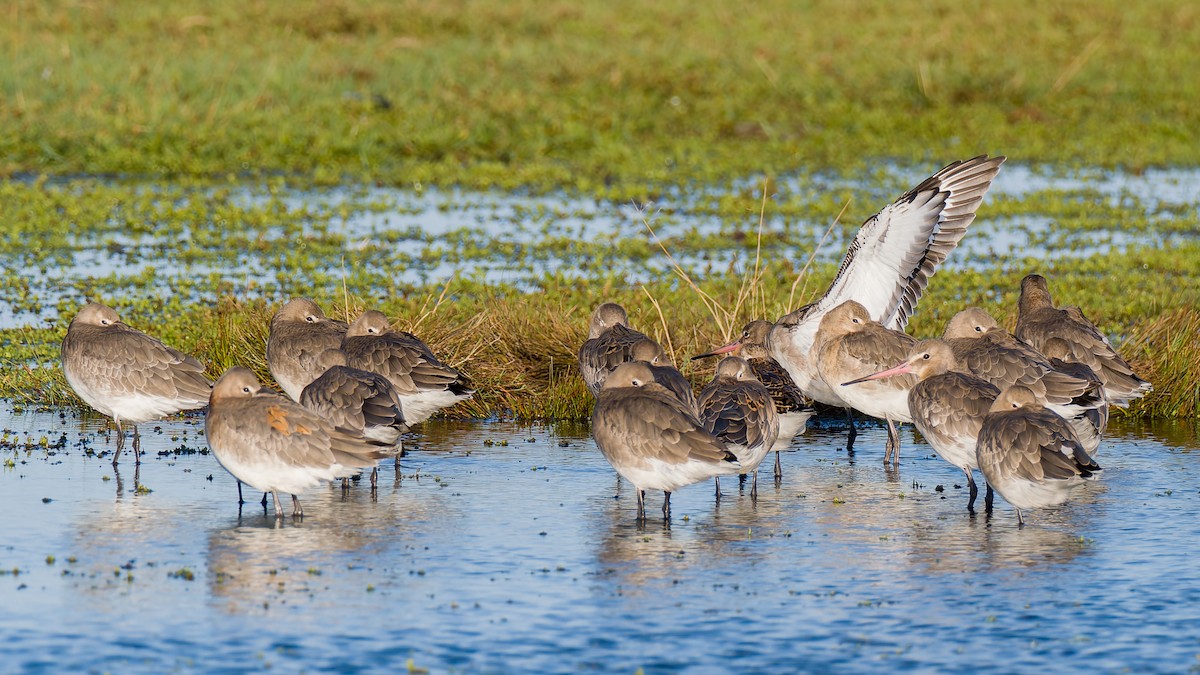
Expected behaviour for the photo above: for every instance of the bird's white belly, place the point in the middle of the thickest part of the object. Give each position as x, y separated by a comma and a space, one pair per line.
389, 435
1028, 494
750, 457
658, 475
277, 476
126, 406
877, 400
791, 425
420, 407
959, 452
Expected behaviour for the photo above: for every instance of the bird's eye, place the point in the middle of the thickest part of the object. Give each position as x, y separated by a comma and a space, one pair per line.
856, 320
925, 356
104, 322
310, 318
978, 329
246, 389
636, 383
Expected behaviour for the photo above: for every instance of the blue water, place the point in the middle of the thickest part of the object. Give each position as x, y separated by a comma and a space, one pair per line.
526, 557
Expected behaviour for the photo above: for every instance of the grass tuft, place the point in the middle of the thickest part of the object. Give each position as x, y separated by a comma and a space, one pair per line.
1163, 350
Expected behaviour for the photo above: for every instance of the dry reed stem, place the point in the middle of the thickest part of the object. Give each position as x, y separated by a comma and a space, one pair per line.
812, 256
1076, 65
345, 292
707, 299
662, 320
442, 296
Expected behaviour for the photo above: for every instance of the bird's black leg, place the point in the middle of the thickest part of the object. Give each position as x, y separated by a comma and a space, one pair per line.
893, 444
120, 442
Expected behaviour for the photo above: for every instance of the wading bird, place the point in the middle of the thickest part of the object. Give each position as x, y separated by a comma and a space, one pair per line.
947, 406
888, 265
357, 400
737, 409
608, 345
424, 384
1029, 454
849, 346
793, 407
274, 444
128, 375
652, 439
1041, 324
300, 332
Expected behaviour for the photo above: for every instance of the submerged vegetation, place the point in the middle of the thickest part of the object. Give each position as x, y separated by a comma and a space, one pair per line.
193, 164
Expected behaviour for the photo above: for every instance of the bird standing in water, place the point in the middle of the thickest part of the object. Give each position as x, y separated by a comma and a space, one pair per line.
1029, 454
652, 439
738, 410
274, 444
128, 375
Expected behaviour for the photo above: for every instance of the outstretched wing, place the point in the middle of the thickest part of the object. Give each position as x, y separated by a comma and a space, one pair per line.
896, 251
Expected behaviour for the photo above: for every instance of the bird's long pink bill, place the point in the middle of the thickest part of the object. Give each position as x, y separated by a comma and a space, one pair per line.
732, 346
901, 369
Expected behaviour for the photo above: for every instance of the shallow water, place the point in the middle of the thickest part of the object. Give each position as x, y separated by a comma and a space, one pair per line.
524, 555
185, 246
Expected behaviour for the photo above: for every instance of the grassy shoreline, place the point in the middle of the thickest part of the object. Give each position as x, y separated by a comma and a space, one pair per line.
684, 105
519, 348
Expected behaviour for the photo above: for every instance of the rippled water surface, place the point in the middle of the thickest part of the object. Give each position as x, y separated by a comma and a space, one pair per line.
505, 548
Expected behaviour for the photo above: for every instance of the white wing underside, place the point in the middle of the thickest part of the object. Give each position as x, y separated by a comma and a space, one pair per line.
895, 252
891, 259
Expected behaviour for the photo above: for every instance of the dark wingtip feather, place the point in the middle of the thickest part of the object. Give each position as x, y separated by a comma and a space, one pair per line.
461, 386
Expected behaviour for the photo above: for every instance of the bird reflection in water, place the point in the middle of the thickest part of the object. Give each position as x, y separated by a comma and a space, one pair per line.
258, 561
991, 541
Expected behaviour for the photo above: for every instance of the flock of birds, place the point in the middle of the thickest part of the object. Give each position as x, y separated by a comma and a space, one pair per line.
351, 391
1027, 410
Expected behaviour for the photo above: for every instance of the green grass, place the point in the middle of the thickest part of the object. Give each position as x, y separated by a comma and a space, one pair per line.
519, 348
588, 95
